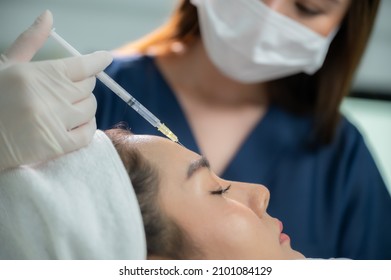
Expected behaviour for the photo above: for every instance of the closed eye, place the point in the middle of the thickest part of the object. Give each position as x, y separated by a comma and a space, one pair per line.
307, 11
221, 190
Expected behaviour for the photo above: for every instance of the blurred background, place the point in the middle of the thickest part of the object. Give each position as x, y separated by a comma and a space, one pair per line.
91, 25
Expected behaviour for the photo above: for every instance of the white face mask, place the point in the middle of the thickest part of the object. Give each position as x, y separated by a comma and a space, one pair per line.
249, 42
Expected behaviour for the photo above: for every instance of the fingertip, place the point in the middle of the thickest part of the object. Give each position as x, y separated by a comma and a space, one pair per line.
48, 13
105, 57
44, 21
48, 17
81, 67
96, 62
31, 40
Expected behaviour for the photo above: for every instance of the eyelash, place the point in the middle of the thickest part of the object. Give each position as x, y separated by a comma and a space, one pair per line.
307, 11
221, 190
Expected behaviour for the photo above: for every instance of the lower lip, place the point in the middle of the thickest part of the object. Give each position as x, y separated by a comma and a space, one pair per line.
284, 238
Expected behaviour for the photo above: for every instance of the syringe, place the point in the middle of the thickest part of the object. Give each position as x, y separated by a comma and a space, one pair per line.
121, 92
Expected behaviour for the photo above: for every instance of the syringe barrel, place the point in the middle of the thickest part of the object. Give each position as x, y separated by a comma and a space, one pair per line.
118, 90
144, 112
130, 100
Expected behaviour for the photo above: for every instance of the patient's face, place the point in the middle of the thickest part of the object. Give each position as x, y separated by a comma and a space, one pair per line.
227, 220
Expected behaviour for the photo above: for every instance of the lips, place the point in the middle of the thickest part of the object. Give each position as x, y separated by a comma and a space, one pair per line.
283, 236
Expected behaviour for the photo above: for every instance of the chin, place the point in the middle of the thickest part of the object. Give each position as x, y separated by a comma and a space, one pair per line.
295, 255
291, 254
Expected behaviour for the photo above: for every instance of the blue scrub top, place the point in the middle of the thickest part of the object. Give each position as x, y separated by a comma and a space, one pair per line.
331, 199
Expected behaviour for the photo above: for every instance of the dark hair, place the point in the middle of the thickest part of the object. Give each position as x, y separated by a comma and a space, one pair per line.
165, 238
319, 95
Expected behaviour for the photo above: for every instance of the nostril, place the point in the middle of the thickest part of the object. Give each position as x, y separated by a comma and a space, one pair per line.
255, 197
260, 197
257, 205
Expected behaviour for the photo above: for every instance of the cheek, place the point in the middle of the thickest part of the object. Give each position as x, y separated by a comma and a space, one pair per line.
324, 25
194, 213
252, 237
235, 233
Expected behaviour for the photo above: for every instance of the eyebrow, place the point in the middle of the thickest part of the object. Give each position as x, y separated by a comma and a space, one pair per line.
202, 162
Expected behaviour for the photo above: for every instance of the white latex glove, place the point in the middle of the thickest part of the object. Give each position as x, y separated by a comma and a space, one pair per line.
46, 108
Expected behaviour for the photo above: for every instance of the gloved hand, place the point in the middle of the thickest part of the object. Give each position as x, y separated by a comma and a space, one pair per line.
46, 108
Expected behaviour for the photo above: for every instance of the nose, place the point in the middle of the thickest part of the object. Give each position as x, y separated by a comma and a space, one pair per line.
254, 196
279, 6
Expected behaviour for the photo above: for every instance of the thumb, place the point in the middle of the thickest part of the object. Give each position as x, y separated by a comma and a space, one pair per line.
31, 40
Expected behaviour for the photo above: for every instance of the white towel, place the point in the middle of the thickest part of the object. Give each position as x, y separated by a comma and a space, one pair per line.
78, 206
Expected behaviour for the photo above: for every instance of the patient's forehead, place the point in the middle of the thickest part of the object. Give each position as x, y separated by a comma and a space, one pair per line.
141, 139
159, 148
153, 145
